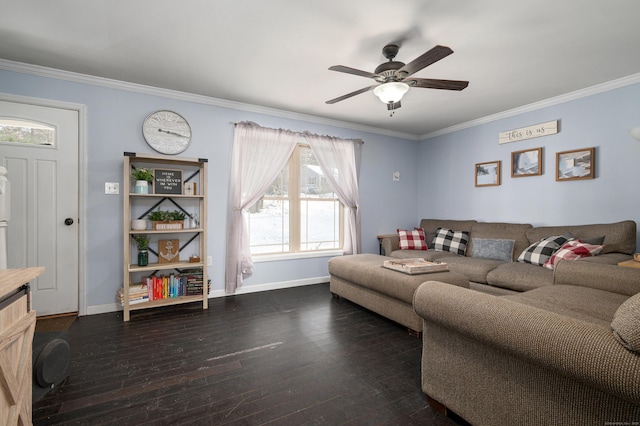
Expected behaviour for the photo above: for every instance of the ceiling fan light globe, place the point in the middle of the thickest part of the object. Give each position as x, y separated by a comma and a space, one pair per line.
391, 92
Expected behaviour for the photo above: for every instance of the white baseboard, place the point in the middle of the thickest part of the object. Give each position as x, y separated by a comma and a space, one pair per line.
113, 307
271, 286
103, 309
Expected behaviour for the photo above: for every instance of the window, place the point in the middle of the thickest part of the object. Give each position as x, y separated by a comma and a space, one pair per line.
26, 132
299, 212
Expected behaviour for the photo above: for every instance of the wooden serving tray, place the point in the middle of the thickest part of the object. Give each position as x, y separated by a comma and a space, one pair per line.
415, 266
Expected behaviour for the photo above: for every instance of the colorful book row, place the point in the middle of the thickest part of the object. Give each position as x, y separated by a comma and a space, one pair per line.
163, 287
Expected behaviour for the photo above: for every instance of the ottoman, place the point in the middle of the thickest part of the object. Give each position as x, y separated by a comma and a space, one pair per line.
361, 279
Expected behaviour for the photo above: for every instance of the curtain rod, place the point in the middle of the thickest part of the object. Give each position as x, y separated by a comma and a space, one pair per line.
360, 141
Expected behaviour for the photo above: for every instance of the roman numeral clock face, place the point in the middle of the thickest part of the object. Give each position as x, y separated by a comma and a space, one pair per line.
167, 132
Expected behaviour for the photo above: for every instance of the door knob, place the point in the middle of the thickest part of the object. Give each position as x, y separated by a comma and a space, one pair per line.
68, 221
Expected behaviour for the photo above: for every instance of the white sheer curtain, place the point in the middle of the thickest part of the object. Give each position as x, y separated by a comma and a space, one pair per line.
259, 154
339, 160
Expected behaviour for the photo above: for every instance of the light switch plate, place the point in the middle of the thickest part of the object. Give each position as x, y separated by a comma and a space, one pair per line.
396, 176
111, 188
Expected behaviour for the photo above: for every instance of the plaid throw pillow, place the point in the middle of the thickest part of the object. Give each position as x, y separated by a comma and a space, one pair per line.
412, 240
572, 250
453, 241
540, 252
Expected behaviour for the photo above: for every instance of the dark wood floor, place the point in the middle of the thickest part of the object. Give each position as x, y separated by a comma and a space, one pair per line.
291, 357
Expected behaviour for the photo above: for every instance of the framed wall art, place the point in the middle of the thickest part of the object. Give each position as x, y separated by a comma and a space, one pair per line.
488, 174
575, 165
526, 163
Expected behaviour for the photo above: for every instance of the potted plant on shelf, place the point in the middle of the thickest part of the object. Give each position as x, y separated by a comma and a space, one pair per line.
163, 220
143, 178
142, 244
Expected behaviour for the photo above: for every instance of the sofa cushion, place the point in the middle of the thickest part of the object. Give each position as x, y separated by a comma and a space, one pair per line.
474, 268
452, 241
612, 278
541, 251
519, 276
585, 304
506, 231
431, 225
412, 240
619, 237
493, 248
626, 323
572, 250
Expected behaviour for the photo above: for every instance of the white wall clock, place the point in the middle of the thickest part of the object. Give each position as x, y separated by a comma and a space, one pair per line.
167, 132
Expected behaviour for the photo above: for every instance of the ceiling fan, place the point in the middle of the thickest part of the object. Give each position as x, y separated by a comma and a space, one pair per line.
394, 77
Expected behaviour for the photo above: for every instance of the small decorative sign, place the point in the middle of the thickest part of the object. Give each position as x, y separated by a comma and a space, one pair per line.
535, 131
167, 181
189, 188
168, 251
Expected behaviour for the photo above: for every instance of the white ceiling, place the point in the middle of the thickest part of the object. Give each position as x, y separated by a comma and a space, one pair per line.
276, 53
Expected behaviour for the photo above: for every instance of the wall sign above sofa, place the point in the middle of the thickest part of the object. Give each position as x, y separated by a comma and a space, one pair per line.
530, 132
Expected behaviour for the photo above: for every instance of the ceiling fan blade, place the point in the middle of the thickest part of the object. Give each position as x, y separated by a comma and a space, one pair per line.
429, 83
349, 70
426, 59
348, 95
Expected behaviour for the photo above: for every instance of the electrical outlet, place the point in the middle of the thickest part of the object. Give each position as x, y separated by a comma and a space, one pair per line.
209, 261
111, 188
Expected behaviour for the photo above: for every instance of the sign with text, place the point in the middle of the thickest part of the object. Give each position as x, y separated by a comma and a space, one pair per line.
530, 132
167, 181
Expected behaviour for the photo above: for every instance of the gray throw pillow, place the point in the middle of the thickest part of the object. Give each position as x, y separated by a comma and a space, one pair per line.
596, 241
492, 248
626, 323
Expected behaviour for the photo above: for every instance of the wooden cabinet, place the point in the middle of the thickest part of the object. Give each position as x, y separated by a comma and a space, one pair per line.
17, 324
166, 194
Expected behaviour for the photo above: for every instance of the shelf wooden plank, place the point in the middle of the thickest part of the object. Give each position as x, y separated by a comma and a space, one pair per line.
163, 266
167, 231
165, 196
165, 302
182, 161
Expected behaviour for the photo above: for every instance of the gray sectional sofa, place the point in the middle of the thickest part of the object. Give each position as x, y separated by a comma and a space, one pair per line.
503, 277
533, 345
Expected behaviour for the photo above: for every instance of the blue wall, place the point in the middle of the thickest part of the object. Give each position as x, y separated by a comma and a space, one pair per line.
114, 122
600, 120
437, 174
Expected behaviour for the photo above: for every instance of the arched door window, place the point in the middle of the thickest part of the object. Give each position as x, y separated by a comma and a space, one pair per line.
14, 130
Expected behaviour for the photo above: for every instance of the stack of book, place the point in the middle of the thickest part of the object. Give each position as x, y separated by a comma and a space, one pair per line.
194, 282
138, 293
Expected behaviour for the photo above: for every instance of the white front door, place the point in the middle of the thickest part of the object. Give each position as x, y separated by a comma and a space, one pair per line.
39, 147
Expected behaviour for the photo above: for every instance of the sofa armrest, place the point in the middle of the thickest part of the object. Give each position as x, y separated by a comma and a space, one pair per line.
613, 278
580, 350
390, 244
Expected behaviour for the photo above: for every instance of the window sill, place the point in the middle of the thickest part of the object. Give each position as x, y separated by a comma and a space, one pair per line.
258, 258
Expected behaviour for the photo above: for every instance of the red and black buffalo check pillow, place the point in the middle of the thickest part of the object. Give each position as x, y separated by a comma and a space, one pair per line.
412, 240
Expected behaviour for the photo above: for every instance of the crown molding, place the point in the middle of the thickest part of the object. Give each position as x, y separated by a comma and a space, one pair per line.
567, 97
57, 74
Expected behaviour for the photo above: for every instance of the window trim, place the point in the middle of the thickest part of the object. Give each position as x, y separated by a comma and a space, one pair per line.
274, 257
